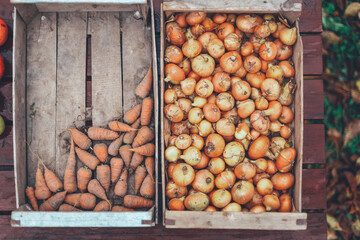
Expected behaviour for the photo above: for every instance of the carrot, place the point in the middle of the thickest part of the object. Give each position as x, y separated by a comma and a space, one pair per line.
133, 114
80, 138
70, 171
52, 181
87, 158
97, 133
102, 206
120, 127
121, 185
126, 154
146, 111
129, 136
114, 146
42, 191
103, 176
147, 189
140, 174
150, 167
68, 208
87, 201
121, 209
136, 160
100, 150
144, 87
133, 201
30, 193
95, 188
146, 150
54, 202
144, 135
83, 177
73, 199
116, 166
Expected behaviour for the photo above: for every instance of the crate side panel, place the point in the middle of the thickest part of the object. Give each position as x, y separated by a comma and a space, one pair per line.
41, 91
70, 95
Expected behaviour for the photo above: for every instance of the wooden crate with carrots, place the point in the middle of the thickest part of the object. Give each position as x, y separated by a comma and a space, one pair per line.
232, 118
85, 114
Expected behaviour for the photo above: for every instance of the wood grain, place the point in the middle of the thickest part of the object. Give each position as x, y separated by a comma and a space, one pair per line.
6, 147
313, 99
6, 100
7, 193
314, 189
313, 64
314, 144
310, 19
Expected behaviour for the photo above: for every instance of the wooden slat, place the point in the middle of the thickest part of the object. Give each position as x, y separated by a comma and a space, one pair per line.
41, 90
106, 67
7, 193
313, 64
310, 19
6, 100
314, 143
313, 99
314, 189
6, 147
71, 78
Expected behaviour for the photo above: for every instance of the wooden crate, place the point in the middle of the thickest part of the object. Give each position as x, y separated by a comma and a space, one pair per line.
296, 220
52, 82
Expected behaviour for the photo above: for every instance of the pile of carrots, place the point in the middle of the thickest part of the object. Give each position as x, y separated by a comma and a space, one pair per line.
229, 100
110, 156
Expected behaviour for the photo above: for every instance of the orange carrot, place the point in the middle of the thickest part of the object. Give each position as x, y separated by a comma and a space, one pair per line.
121, 185
70, 171
95, 188
133, 201
87, 201
129, 136
132, 114
52, 181
100, 150
68, 208
42, 191
103, 176
87, 158
114, 146
150, 167
30, 193
121, 209
116, 168
120, 127
73, 199
144, 135
126, 154
140, 174
146, 111
102, 206
136, 160
144, 87
54, 202
80, 139
145, 150
83, 177
97, 133
147, 189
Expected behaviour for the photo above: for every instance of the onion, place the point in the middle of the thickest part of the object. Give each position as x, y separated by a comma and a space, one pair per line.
264, 186
183, 141
275, 72
172, 154
245, 170
280, 27
225, 127
196, 202
265, 65
194, 129
219, 18
288, 36
239, 33
204, 88
259, 147
171, 141
252, 64
205, 128
232, 207
170, 96
212, 98
231, 61
240, 73
231, 18
210, 209
199, 102
287, 68
170, 168
242, 192
273, 111
232, 42
246, 108
255, 79
221, 82
246, 49
271, 203
174, 191
205, 38
189, 35
220, 198
224, 29
173, 54
261, 165
177, 204
173, 113
272, 26
175, 34
241, 90
209, 24
174, 73
225, 179
179, 128
283, 51
188, 86
185, 106
247, 23
278, 144
282, 181
275, 126
203, 162
214, 145
256, 42
268, 51
197, 141
271, 167
260, 176
228, 138
203, 181
285, 159
270, 89
195, 18
254, 134
262, 31
211, 112
233, 153
269, 17
179, 92
191, 156
258, 209
285, 131
216, 48
257, 199
285, 203
287, 115
259, 122
191, 48
180, 19
231, 115
261, 103
216, 165
203, 65
225, 101
255, 93
286, 95
242, 131
198, 29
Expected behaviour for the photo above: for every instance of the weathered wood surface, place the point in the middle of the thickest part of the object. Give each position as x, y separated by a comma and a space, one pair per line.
6, 147
313, 99
314, 189
310, 19
6, 100
314, 144
7, 193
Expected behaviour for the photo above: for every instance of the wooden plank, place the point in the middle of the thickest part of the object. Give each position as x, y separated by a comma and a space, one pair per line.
7, 193
314, 189
6, 147
41, 90
313, 99
6, 100
310, 19
87, 6
106, 67
314, 144
71, 79
313, 64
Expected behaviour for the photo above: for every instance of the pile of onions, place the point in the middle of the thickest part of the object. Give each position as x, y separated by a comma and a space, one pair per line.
229, 94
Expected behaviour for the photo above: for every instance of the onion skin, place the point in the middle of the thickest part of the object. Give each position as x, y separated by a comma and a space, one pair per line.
259, 122
197, 141
215, 48
205, 38
209, 24
173, 54
247, 23
170, 96
180, 19
258, 209
285, 203
288, 36
283, 181
232, 207
174, 191
275, 72
285, 131
271, 203
211, 112
177, 204
252, 64
175, 34
231, 61
241, 72
174, 73
287, 115
203, 65
204, 88
259, 147
219, 18
204, 161
287, 68
220, 198
268, 51
224, 30
260, 176
170, 169
225, 180
285, 160
183, 174
240, 90
225, 101
179, 128
195, 18
214, 145
172, 153
195, 115
274, 110
191, 48
271, 168
216, 165
286, 97
257, 199
270, 89
197, 201
231, 115
283, 51
245, 171
210, 209
225, 127
264, 186
173, 113
280, 27
197, 30
205, 128
234, 153
203, 181
191, 156
246, 108
246, 49
255, 79
242, 192
183, 141
221, 82
232, 42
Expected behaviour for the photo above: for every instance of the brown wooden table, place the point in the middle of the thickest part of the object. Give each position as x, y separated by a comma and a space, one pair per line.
314, 201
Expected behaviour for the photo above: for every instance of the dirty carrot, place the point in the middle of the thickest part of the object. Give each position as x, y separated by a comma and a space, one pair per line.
144, 135
87, 158
103, 176
120, 127
136, 160
102, 206
54, 202
97, 133
150, 167
30, 193
73, 199
95, 188
146, 111
133, 114
129, 136
140, 174
126, 154
52, 181
116, 166
68, 208
87, 201
147, 189
80, 139
83, 177
70, 171
144, 87
145, 150
121, 185
114, 146
133, 201
101, 152
42, 191
121, 209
